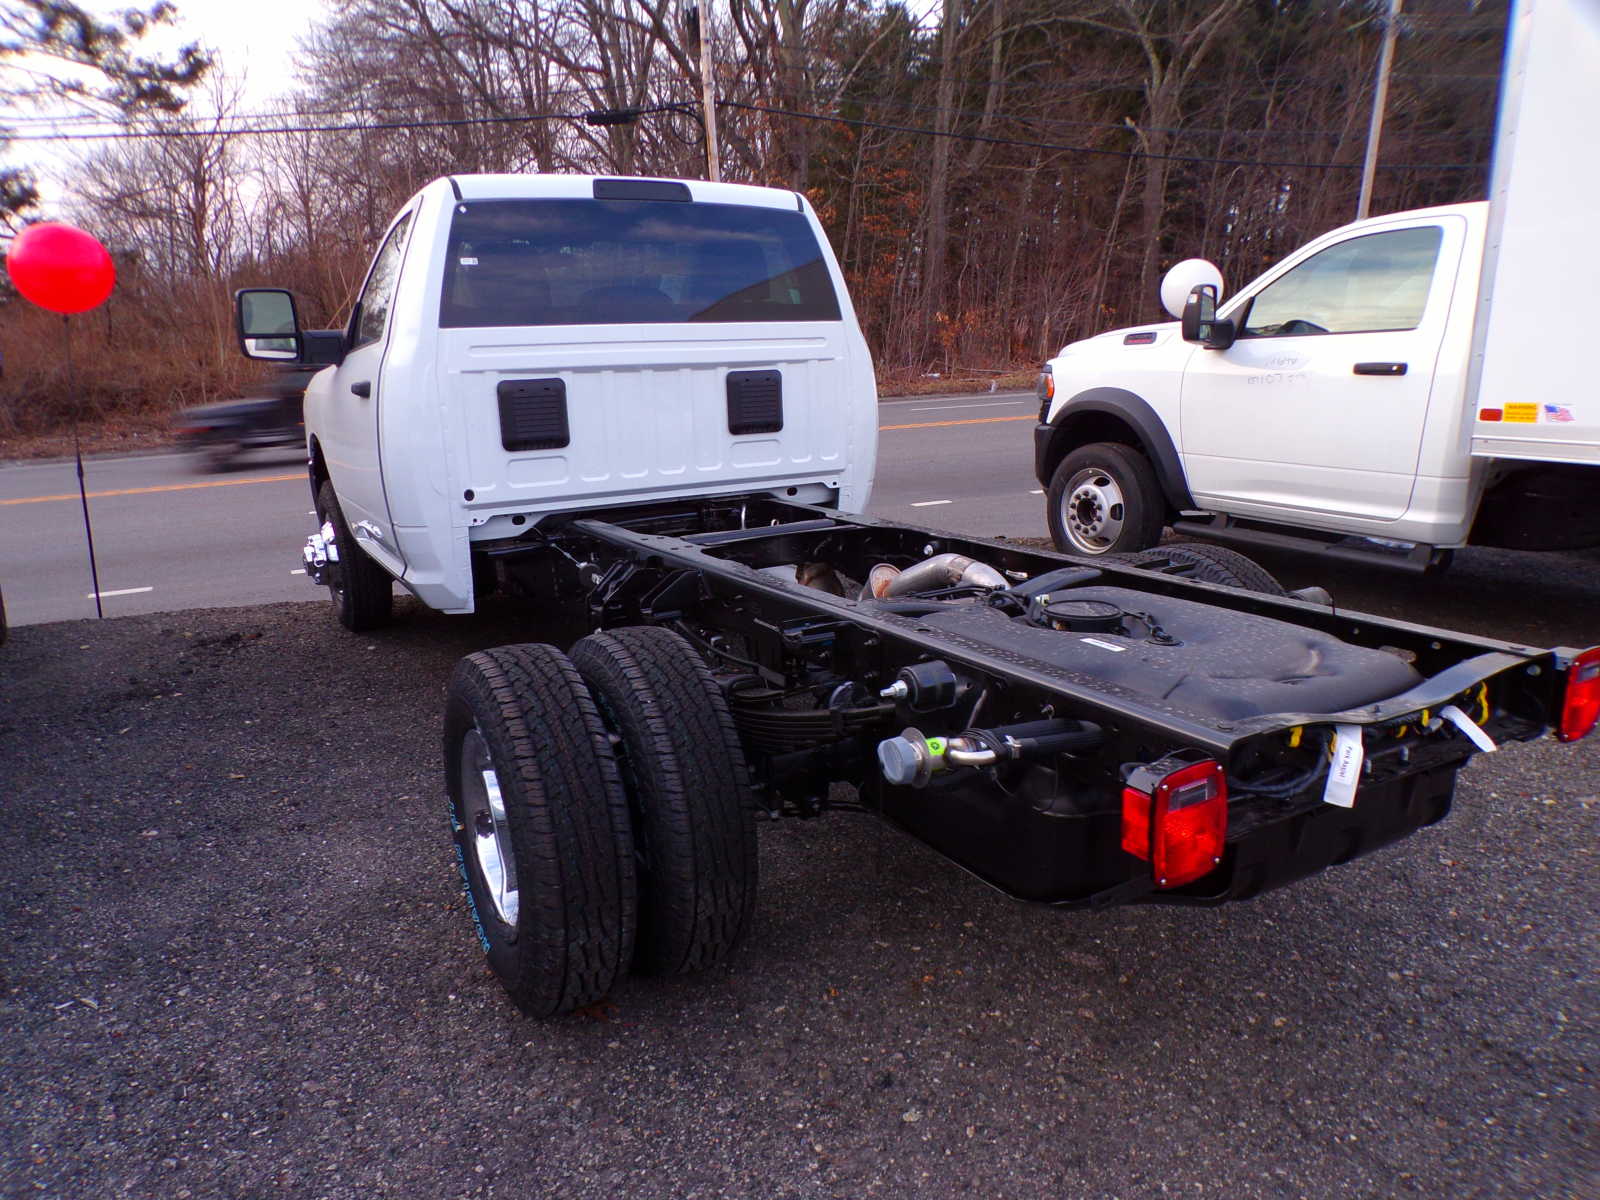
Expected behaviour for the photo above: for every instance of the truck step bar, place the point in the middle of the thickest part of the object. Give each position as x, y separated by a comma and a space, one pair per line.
1412, 557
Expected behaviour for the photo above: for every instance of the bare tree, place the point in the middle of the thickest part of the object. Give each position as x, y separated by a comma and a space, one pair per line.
57, 54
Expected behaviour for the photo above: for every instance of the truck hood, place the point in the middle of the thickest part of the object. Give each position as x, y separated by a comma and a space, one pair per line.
1164, 332
1147, 360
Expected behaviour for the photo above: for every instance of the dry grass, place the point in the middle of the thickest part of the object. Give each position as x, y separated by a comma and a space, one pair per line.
122, 372
905, 383
121, 434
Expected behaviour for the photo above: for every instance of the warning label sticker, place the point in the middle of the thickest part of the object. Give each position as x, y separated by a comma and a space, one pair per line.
1104, 645
1526, 414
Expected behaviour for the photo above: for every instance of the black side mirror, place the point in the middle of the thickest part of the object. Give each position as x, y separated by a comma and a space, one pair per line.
267, 324
1200, 323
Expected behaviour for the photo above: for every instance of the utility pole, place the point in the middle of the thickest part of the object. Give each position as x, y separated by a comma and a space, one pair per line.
1380, 97
699, 31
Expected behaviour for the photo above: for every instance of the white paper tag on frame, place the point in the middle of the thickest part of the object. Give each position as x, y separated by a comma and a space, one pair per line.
1345, 772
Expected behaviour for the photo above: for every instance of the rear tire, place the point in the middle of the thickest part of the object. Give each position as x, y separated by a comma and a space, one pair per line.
362, 592
1212, 564
540, 823
1104, 499
688, 791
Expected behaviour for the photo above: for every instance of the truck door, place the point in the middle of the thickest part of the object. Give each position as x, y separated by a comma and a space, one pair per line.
350, 432
1319, 406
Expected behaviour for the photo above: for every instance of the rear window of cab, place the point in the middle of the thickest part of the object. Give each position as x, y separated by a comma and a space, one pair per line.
631, 262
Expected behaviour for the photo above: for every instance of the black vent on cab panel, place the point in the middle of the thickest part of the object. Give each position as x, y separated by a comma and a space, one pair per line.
755, 402
533, 414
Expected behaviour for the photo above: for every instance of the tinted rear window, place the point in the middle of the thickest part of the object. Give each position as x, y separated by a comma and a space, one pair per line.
649, 262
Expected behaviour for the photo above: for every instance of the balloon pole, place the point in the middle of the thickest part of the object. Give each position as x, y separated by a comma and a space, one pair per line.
77, 454
67, 271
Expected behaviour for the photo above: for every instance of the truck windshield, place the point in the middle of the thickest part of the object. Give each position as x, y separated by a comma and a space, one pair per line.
628, 262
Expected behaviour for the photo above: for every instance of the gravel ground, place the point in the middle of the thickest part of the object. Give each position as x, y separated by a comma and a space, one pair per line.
236, 963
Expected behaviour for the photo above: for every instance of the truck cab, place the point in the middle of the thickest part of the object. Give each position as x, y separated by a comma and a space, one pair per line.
1336, 406
1329, 405
1394, 389
525, 345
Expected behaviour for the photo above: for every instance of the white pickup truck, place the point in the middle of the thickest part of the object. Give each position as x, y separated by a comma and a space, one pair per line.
643, 410
1396, 388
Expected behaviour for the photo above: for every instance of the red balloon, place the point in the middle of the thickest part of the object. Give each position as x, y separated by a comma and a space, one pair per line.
60, 267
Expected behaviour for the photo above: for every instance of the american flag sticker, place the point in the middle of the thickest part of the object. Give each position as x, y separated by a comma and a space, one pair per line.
1557, 412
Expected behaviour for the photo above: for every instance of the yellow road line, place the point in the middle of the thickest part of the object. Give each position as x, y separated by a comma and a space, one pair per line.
967, 421
166, 487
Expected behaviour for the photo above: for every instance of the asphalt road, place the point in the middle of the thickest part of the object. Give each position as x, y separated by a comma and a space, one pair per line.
168, 537
235, 961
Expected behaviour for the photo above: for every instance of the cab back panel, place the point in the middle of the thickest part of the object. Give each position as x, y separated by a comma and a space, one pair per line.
646, 409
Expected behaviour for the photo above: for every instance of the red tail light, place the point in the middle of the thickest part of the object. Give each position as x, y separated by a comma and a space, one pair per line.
1581, 708
1175, 817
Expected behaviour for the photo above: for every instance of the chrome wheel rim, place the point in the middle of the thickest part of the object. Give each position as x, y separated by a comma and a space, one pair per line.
484, 812
1093, 510
335, 567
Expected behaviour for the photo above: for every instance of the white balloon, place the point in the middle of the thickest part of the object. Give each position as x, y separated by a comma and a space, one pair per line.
1183, 279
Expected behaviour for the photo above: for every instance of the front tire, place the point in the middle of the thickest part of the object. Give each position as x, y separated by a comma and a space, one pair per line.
362, 592
1104, 499
540, 823
688, 791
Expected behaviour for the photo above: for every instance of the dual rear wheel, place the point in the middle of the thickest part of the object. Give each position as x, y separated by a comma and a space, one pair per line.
601, 813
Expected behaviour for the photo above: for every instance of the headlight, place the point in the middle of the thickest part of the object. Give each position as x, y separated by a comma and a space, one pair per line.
1047, 391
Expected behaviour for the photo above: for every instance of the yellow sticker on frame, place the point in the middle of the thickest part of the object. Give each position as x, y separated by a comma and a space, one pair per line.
1526, 414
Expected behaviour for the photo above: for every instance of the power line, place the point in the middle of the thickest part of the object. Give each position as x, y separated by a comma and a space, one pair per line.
986, 139
12, 124
74, 122
1107, 125
145, 134
1037, 145
20, 121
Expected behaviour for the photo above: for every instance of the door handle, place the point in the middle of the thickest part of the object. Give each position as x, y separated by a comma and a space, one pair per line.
364, 388
1380, 368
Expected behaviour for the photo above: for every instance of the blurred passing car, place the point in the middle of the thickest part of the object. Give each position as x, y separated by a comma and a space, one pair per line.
219, 433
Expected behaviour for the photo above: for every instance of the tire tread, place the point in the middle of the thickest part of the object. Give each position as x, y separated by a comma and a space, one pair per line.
1215, 564
554, 760
690, 790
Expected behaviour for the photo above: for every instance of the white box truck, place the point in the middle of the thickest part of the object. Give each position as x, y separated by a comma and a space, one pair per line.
1397, 388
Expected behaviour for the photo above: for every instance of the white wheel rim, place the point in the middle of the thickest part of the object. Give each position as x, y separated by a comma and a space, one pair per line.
1093, 510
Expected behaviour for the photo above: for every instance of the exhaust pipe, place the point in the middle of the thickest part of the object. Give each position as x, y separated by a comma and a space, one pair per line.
940, 571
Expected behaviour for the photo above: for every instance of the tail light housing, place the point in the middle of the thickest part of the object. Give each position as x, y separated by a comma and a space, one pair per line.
1175, 817
1580, 708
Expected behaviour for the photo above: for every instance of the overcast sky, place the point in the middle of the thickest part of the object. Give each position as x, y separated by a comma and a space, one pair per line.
254, 45
254, 39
